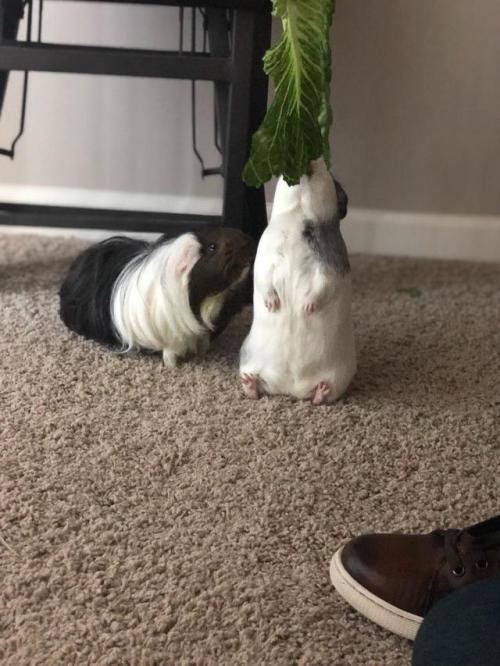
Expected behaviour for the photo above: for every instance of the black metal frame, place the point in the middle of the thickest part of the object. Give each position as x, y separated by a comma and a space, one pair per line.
240, 97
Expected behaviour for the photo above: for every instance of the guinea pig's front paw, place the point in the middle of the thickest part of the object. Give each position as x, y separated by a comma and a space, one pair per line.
272, 301
310, 304
169, 359
202, 345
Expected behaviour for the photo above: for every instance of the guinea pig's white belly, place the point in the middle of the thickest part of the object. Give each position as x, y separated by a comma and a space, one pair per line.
292, 352
289, 350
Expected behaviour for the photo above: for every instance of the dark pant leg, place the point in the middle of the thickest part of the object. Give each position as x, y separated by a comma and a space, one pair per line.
463, 629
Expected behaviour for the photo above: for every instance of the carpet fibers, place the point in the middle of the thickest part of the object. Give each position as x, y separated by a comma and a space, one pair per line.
150, 516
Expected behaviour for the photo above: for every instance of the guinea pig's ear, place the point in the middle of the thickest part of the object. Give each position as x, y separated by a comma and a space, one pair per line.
342, 199
164, 238
189, 255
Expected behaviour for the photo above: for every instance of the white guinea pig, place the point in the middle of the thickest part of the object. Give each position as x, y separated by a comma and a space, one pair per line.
301, 342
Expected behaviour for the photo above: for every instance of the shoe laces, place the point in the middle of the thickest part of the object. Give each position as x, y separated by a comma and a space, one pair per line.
476, 546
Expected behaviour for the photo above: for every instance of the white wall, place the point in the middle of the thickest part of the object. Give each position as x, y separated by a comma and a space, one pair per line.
417, 103
416, 100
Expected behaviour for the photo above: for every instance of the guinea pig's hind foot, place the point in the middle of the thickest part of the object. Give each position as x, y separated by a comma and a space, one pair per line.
321, 393
250, 385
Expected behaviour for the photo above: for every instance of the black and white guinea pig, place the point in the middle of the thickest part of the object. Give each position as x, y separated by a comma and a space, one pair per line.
172, 295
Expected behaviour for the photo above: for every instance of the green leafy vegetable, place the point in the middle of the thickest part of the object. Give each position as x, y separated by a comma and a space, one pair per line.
296, 127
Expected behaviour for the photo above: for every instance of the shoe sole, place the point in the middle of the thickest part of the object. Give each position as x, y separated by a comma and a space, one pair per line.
375, 609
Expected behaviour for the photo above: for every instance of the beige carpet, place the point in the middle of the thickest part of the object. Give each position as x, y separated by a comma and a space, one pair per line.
157, 517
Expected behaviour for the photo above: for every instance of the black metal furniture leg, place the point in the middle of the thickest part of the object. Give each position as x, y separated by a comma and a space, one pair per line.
237, 131
253, 216
256, 198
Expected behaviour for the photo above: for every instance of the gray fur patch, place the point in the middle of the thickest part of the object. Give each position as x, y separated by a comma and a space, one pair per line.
327, 243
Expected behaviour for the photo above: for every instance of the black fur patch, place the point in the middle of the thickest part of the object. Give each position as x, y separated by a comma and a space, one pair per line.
327, 243
85, 295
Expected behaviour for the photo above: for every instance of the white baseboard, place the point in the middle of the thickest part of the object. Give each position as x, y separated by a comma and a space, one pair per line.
433, 235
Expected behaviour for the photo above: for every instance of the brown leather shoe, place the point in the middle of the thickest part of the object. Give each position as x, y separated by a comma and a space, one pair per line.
394, 579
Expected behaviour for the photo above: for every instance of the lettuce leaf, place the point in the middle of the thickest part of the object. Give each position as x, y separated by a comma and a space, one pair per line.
296, 127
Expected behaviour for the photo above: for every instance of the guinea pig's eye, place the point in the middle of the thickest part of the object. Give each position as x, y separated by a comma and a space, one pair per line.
212, 247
